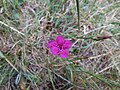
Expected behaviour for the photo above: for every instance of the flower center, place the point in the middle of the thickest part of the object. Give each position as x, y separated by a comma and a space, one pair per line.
60, 46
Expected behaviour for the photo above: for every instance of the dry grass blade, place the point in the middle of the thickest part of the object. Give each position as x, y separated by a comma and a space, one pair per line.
2, 56
12, 28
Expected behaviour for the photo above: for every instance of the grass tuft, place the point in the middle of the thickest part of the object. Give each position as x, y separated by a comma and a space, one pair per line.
26, 26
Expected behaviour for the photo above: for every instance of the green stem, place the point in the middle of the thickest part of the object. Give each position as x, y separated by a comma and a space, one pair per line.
78, 13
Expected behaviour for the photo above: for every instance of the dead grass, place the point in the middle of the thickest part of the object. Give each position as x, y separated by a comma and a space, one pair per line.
27, 25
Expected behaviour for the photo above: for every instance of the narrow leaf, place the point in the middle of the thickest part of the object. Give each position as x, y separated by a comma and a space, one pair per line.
1, 55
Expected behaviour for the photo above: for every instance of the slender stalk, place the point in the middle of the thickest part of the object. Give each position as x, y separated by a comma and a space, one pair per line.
78, 13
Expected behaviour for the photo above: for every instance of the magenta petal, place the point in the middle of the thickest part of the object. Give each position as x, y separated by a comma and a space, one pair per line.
60, 40
52, 44
55, 50
67, 44
64, 53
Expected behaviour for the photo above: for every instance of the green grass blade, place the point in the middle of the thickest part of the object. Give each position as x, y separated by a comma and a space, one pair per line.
1, 55
116, 23
51, 79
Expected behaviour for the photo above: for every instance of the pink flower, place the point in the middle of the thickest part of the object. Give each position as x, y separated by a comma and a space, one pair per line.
60, 46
